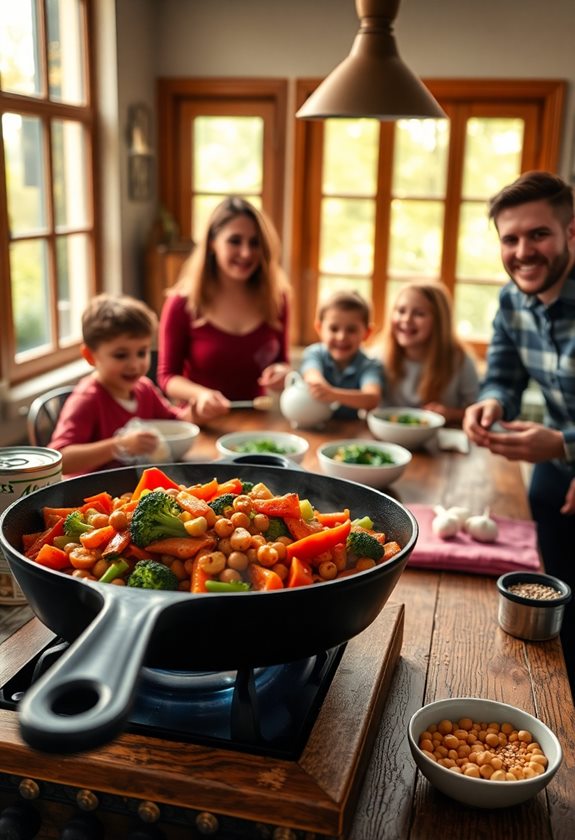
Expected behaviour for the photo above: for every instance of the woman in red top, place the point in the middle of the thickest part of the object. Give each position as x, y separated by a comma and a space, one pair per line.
224, 327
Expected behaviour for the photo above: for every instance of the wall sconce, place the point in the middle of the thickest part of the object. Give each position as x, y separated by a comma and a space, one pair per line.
140, 154
372, 81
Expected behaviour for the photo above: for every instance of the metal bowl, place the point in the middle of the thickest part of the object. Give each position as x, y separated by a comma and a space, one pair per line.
531, 618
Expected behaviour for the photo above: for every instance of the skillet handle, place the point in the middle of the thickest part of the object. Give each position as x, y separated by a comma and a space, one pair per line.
84, 700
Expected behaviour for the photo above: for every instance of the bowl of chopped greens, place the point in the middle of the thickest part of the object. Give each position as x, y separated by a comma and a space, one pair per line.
374, 463
409, 427
264, 442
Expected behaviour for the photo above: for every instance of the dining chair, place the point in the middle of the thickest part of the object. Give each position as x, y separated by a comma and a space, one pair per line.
43, 414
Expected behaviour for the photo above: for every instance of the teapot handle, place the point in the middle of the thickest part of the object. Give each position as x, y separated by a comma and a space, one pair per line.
293, 377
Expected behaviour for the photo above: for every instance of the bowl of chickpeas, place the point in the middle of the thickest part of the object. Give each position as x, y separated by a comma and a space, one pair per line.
482, 752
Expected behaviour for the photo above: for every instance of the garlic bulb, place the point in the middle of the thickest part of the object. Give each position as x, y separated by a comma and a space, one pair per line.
482, 528
444, 524
462, 513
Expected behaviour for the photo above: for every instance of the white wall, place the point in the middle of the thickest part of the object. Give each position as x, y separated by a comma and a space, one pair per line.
299, 38
437, 38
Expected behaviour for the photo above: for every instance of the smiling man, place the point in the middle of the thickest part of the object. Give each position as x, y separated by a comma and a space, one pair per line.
534, 338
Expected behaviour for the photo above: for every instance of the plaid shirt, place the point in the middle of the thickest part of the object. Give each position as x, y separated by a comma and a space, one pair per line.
531, 340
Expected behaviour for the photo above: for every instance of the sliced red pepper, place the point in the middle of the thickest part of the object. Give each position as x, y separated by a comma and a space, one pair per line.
300, 573
52, 557
204, 491
263, 578
286, 505
310, 547
153, 478
300, 527
117, 545
55, 530
100, 501
331, 519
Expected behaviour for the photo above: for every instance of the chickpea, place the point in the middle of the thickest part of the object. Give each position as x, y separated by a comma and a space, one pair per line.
83, 574
364, 563
243, 503
261, 522
240, 520
82, 558
213, 563
97, 519
267, 556
280, 548
229, 576
257, 540
223, 527
118, 520
118, 582
240, 540
238, 561
225, 546
327, 570
99, 567
281, 571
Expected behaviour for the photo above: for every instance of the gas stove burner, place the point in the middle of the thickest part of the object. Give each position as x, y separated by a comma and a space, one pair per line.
265, 710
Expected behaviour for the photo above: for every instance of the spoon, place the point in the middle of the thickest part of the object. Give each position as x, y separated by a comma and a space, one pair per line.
263, 403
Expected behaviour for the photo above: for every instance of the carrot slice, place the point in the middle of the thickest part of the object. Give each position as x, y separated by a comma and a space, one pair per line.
198, 577
52, 557
182, 547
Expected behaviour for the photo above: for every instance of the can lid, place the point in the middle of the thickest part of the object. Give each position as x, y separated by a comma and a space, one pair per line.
27, 458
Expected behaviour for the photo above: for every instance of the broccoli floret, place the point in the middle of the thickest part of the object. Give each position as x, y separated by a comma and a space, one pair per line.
362, 544
156, 516
74, 525
220, 503
151, 574
247, 486
277, 529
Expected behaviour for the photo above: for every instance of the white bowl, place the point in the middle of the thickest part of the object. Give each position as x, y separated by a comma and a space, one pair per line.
291, 446
483, 793
404, 434
176, 438
373, 476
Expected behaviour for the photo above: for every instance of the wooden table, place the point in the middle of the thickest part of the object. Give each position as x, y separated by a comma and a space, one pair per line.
452, 646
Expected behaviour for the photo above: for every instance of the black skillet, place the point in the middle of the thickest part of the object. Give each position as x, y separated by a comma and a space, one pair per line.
84, 700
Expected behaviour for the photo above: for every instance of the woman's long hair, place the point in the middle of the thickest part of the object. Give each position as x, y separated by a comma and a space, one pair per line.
445, 351
198, 279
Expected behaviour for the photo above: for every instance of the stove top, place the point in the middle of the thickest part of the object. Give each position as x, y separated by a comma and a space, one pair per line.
265, 711
182, 787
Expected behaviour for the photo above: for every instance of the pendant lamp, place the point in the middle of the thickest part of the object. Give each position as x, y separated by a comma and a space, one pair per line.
372, 81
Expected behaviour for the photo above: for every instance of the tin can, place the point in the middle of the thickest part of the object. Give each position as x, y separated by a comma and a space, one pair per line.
23, 469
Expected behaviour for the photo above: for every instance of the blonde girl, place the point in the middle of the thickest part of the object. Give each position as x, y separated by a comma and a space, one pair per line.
425, 364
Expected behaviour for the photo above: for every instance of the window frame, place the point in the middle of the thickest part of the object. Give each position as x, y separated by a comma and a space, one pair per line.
226, 97
39, 106
457, 97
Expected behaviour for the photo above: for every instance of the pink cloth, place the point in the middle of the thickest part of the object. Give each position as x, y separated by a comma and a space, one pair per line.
514, 550
214, 358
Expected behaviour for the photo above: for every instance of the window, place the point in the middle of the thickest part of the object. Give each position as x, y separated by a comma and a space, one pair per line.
221, 137
378, 203
46, 188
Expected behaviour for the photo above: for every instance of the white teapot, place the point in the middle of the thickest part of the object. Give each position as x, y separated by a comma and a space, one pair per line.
299, 407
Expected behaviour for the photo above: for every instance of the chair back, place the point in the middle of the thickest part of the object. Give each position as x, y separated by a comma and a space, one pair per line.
43, 414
